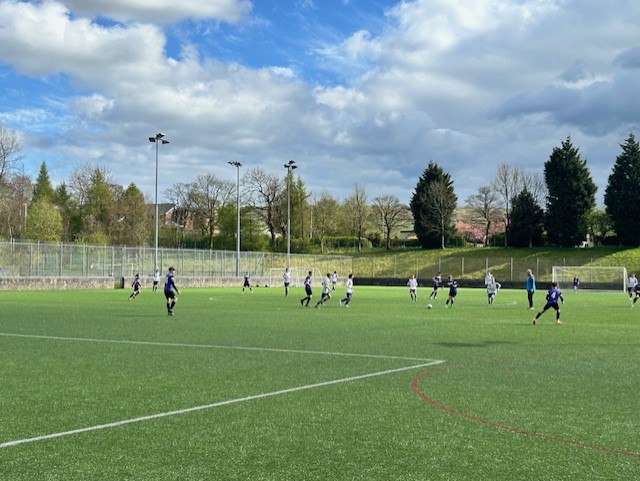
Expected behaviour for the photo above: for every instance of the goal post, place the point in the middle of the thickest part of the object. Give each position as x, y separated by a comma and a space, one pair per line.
591, 277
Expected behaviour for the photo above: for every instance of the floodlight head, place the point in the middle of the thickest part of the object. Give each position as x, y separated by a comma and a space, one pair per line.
159, 135
164, 141
152, 139
235, 163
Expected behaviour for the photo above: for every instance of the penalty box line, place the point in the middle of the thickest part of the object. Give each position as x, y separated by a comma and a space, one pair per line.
211, 346
228, 402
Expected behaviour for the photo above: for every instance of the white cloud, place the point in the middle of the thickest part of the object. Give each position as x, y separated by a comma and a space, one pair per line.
163, 11
466, 84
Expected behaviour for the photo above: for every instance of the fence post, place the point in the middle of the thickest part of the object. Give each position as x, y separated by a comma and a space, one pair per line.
512, 269
462, 267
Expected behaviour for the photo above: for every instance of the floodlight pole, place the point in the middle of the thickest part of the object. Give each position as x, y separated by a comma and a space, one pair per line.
237, 165
157, 139
290, 166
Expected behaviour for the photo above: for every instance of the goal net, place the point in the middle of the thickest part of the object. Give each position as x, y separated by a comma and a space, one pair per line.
298, 275
591, 277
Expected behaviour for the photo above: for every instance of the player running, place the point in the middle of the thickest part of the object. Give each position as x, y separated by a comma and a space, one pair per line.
348, 285
307, 289
437, 284
492, 289
553, 297
326, 290
452, 284
136, 287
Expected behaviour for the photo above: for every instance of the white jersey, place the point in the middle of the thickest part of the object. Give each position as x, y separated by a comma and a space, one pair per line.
413, 284
286, 277
349, 286
632, 282
326, 282
334, 278
493, 287
156, 277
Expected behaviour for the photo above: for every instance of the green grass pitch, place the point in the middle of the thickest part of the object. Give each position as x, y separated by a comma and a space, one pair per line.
255, 387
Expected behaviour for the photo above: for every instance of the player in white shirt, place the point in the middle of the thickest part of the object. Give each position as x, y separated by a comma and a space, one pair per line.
348, 285
286, 277
156, 279
334, 280
326, 290
413, 288
632, 282
492, 289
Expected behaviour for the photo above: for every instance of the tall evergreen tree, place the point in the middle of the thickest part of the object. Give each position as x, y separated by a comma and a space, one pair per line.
622, 193
43, 190
433, 204
525, 229
571, 195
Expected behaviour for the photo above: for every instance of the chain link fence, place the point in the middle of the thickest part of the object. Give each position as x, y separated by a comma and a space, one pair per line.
34, 260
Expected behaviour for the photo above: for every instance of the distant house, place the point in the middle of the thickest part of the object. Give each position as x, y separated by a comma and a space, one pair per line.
171, 214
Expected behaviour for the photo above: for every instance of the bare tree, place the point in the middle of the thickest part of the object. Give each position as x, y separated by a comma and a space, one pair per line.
357, 213
390, 215
508, 183
15, 195
10, 149
264, 192
82, 178
485, 206
534, 183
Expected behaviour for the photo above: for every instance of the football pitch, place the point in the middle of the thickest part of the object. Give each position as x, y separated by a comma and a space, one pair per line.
255, 387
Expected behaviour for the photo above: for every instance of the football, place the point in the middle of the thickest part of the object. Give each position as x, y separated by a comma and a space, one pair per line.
429, 306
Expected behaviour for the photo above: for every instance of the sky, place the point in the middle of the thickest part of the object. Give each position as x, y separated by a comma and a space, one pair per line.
354, 91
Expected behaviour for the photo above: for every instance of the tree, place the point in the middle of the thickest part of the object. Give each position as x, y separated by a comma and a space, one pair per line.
265, 192
526, 227
132, 224
485, 208
206, 195
390, 216
15, 193
571, 195
68, 208
599, 225
325, 217
433, 204
508, 183
43, 223
98, 210
623, 191
357, 213
10, 149
43, 190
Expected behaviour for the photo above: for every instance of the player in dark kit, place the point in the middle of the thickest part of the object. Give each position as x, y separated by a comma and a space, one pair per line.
452, 284
437, 284
171, 291
636, 291
247, 283
553, 297
136, 287
307, 290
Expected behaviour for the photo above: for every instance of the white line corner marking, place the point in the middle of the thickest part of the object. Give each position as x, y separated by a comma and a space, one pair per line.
150, 417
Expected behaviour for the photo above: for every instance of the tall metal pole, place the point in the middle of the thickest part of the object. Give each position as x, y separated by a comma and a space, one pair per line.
155, 235
289, 166
157, 139
237, 165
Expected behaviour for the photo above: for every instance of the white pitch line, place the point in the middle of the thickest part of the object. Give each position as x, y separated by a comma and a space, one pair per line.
213, 346
213, 405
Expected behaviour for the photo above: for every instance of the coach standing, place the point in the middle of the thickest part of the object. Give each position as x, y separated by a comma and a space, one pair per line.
530, 285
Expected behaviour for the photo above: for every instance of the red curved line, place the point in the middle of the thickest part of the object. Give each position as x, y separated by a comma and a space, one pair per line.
416, 389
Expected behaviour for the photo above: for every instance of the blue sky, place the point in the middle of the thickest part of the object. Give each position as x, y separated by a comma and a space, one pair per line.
355, 91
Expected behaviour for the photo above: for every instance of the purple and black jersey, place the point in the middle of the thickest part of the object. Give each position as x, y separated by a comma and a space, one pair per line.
554, 296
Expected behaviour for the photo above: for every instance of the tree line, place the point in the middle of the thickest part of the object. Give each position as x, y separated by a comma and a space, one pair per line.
515, 208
